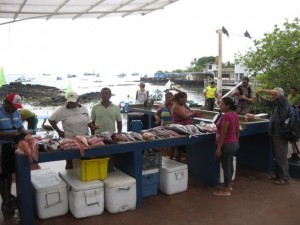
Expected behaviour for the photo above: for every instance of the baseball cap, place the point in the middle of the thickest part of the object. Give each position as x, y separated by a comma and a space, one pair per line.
279, 90
15, 100
142, 84
72, 97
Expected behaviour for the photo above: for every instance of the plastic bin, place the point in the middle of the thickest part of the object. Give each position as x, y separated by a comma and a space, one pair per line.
150, 179
151, 159
91, 169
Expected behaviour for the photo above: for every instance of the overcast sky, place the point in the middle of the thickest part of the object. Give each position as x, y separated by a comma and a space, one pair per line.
167, 39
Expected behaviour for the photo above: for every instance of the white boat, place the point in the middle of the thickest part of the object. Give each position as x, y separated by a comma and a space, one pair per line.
46, 74
71, 75
23, 79
121, 75
89, 74
58, 78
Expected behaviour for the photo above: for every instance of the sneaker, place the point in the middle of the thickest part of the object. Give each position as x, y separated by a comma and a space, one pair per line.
6, 207
13, 201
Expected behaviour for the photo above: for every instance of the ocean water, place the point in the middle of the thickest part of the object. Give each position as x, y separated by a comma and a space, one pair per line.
121, 89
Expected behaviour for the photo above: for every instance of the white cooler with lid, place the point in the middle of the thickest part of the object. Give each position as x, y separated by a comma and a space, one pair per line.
50, 194
120, 192
85, 198
173, 177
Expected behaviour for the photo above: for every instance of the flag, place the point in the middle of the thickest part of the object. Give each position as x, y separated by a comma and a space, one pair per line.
68, 89
2, 78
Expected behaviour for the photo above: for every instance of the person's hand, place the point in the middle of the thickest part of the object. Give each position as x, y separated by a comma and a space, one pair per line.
218, 152
157, 120
61, 134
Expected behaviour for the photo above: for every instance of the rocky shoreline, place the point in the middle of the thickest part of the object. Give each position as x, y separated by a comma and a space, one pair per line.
41, 95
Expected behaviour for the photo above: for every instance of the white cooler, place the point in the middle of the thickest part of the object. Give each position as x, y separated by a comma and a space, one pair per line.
50, 194
120, 192
173, 177
221, 180
85, 198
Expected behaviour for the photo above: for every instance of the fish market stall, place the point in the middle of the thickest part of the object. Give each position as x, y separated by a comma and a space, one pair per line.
129, 153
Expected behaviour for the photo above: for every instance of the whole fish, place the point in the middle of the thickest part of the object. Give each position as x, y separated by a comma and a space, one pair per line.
130, 137
137, 136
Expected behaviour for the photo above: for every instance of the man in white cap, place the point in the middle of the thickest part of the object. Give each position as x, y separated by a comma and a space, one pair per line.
75, 120
279, 112
11, 128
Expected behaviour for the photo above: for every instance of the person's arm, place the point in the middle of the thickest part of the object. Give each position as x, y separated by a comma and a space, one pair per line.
119, 126
147, 94
158, 114
92, 127
266, 91
247, 99
136, 95
53, 124
181, 113
224, 128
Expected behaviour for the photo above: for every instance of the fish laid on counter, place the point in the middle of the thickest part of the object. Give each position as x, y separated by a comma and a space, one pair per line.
148, 136
181, 129
137, 136
130, 137
28, 146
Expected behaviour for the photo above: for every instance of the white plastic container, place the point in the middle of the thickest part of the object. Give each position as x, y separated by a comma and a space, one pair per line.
173, 177
50, 194
85, 198
221, 179
119, 192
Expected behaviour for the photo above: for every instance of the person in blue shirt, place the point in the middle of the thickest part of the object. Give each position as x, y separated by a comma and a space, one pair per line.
11, 128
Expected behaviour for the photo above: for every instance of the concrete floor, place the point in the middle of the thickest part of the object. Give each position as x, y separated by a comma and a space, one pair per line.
254, 200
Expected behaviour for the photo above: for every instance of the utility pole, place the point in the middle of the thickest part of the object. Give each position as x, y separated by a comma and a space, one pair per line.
219, 78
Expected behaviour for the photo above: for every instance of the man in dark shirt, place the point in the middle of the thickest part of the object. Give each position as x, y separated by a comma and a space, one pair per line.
10, 128
280, 109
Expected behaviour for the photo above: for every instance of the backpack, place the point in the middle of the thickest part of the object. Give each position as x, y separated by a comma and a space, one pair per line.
290, 128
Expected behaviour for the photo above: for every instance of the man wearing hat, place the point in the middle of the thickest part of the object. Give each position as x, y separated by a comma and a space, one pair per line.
142, 94
279, 110
75, 120
10, 128
210, 94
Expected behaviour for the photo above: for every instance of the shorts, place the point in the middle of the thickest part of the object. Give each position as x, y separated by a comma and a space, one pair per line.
7, 160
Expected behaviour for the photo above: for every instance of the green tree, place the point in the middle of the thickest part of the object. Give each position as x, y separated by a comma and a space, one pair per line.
276, 57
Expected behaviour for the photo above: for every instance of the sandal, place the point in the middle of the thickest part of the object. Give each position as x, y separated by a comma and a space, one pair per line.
272, 177
222, 193
281, 182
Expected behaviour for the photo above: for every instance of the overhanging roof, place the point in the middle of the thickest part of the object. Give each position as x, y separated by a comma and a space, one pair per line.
18, 10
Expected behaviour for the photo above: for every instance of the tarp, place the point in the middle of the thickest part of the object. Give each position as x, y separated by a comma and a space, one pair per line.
18, 10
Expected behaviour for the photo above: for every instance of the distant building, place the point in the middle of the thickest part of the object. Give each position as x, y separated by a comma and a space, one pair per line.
227, 73
240, 71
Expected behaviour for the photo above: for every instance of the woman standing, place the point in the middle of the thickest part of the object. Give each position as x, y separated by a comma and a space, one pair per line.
163, 116
181, 114
227, 137
75, 120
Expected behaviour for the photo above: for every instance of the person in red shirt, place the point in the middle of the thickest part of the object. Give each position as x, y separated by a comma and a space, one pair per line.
227, 137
